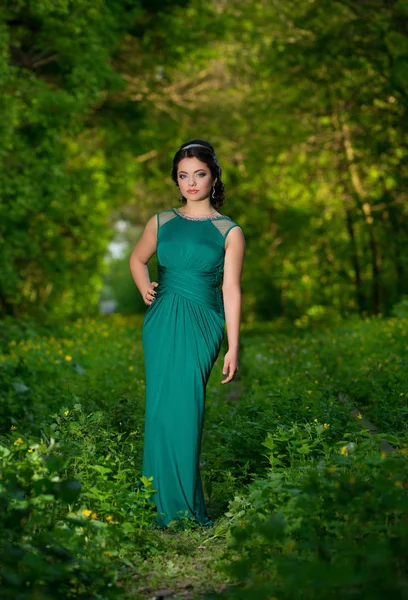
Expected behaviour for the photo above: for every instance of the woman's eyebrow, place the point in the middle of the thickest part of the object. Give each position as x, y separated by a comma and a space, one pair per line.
194, 171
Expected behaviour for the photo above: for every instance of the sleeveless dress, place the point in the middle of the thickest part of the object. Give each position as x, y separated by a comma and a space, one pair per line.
182, 332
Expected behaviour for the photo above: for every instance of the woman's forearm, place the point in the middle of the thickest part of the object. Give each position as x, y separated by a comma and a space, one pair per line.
140, 274
232, 309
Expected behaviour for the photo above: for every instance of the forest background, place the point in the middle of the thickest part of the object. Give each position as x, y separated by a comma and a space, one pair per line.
304, 101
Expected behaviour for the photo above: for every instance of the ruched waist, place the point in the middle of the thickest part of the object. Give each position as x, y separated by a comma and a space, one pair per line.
199, 286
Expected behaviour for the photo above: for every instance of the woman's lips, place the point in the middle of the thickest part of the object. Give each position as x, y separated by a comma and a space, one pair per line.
192, 191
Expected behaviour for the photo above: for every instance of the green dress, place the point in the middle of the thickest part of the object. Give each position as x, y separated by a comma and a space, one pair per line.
182, 332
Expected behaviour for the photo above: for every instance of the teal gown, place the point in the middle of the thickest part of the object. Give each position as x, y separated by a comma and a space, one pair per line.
182, 332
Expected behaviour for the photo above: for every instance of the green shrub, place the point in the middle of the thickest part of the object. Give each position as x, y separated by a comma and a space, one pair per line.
333, 531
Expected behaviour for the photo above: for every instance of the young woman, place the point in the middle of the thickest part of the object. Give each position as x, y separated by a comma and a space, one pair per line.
198, 249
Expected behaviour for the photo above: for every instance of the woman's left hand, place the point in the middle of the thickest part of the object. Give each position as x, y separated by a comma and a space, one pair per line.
230, 366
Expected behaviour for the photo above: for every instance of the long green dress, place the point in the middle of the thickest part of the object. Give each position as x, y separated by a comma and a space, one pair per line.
182, 333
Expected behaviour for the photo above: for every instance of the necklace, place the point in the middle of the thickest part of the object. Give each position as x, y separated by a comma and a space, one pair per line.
210, 217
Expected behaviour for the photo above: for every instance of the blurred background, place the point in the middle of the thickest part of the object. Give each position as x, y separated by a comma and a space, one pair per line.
305, 102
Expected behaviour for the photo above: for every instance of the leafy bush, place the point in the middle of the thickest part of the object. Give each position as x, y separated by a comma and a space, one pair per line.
59, 533
332, 531
400, 309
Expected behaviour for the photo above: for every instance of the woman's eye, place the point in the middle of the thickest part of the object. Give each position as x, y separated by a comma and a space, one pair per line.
202, 174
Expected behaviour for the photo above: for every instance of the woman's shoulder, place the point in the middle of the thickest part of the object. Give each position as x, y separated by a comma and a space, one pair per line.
165, 215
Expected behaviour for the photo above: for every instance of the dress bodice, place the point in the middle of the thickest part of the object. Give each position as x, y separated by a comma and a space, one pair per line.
196, 244
190, 254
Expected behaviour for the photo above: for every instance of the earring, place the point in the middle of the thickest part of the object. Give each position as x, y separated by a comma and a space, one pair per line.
213, 193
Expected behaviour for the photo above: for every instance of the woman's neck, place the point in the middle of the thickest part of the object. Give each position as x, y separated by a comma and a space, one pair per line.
198, 209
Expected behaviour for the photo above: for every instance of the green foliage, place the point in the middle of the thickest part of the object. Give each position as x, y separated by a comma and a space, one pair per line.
78, 364
400, 309
292, 483
311, 136
318, 316
74, 508
379, 384
47, 552
62, 171
54, 190
327, 510
67, 548
331, 531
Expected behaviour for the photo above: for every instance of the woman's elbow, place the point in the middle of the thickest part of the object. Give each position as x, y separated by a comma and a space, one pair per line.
231, 289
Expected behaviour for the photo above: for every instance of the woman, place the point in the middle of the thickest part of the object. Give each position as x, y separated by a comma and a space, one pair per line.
183, 328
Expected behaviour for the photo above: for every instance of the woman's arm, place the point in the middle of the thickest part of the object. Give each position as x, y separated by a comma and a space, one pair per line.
231, 290
143, 251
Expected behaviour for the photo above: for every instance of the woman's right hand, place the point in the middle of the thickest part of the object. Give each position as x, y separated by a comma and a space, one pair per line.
150, 293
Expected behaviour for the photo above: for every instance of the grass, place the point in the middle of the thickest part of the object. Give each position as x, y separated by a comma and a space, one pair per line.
72, 417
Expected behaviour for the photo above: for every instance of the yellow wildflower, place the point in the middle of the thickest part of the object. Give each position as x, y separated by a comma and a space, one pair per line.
66, 413
131, 368
109, 518
343, 450
87, 512
307, 407
331, 470
352, 480
326, 425
398, 483
359, 416
94, 515
13, 428
30, 450
68, 357
316, 420
383, 455
19, 441
402, 394
309, 392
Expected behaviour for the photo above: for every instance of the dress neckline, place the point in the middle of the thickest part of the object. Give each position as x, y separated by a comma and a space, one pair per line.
209, 218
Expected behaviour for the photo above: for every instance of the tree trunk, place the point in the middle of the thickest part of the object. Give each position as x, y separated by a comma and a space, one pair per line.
365, 207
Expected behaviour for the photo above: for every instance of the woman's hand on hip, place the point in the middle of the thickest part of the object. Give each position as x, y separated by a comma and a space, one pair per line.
150, 293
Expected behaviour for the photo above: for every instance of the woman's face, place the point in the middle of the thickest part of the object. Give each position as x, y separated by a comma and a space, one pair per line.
194, 179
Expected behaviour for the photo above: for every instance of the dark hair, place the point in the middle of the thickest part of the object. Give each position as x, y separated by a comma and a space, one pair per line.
204, 152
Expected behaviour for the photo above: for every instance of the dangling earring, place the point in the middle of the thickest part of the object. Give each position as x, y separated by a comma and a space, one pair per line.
213, 193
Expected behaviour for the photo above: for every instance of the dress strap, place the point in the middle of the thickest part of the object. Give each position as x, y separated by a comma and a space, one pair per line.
224, 226
164, 216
